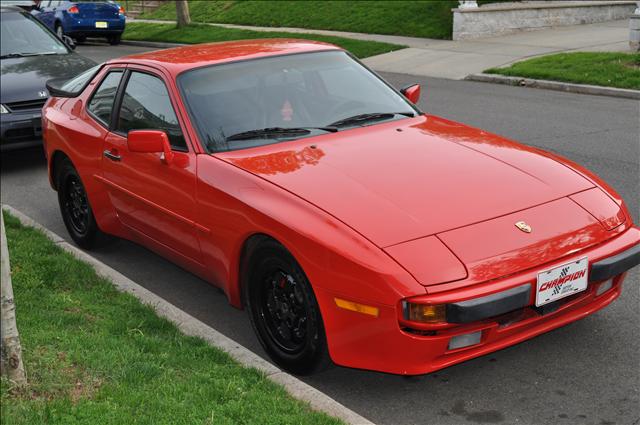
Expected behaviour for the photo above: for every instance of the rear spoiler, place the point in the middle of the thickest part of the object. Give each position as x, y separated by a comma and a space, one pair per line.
53, 86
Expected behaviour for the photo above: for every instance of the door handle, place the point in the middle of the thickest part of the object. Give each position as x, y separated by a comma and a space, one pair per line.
111, 156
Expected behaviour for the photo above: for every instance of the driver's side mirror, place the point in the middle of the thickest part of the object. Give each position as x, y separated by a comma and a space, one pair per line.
412, 93
150, 141
69, 42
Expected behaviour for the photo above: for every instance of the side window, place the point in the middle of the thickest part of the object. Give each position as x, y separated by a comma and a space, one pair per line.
101, 103
146, 106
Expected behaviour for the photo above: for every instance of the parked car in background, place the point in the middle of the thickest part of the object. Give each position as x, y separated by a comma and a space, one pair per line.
31, 55
80, 20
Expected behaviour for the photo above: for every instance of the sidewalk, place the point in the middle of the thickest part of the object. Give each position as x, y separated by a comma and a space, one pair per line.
457, 59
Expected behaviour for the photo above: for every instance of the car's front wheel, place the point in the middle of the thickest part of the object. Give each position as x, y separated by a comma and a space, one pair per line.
284, 311
74, 205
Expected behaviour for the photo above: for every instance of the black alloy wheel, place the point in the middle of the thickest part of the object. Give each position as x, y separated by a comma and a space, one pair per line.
75, 207
284, 311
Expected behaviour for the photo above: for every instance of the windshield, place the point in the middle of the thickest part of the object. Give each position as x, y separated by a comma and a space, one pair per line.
21, 35
257, 102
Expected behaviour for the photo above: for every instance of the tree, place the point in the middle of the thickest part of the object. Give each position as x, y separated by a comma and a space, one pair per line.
182, 11
10, 348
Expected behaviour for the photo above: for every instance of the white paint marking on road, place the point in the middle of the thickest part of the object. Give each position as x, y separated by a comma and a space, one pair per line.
189, 325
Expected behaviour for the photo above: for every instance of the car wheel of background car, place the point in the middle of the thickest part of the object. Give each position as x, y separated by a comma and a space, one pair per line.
59, 30
81, 39
114, 39
74, 206
284, 311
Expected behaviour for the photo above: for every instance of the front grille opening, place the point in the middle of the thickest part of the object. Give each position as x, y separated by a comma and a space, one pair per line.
26, 105
510, 318
554, 306
418, 332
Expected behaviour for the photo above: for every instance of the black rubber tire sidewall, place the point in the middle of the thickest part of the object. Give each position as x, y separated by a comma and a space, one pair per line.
314, 356
87, 239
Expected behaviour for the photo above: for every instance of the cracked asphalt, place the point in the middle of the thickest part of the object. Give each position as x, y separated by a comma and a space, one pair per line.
584, 373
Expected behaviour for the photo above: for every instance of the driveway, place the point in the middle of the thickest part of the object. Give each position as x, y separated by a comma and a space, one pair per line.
584, 373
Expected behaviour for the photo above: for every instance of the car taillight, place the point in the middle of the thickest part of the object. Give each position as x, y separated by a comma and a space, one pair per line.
121, 10
73, 9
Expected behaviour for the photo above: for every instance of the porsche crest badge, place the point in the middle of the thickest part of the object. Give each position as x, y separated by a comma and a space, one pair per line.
523, 226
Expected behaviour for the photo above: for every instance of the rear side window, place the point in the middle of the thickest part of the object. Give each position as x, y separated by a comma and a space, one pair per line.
101, 103
146, 106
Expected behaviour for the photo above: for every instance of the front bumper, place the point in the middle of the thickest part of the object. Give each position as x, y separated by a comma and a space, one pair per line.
20, 130
517, 298
503, 311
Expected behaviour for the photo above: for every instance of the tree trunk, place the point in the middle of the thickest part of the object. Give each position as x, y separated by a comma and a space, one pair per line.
182, 11
10, 349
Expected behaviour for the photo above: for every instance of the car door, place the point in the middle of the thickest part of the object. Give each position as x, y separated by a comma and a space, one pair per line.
154, 197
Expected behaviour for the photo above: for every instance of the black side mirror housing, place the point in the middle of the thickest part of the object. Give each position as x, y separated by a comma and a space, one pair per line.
69, 42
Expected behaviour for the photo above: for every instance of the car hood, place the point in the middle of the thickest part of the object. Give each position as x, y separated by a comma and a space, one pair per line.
24, 78
403, 180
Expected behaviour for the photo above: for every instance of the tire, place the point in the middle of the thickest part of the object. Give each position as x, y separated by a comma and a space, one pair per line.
59, 30
283, 310
75, 209
81, 39
114, 40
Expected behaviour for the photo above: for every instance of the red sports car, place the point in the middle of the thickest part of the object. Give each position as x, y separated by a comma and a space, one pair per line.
351, 226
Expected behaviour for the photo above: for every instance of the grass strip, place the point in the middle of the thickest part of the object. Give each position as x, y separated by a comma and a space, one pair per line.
621, 70
194, 34
94, 355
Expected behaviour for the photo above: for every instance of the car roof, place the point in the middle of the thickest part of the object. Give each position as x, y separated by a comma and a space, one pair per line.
179, 59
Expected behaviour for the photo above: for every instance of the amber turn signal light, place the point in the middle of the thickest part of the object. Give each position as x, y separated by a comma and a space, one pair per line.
357, 307
425, 313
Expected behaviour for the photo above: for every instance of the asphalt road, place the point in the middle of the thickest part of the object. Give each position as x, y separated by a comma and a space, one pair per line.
585, 373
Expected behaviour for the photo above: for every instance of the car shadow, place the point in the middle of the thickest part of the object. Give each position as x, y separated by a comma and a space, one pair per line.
22, 160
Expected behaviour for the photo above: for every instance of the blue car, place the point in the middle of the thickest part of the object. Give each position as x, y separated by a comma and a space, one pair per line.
83, 19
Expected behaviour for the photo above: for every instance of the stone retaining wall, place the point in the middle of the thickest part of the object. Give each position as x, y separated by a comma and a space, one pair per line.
504, 18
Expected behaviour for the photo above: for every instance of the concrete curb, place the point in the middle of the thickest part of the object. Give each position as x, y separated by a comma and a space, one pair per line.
555, 85
189, 325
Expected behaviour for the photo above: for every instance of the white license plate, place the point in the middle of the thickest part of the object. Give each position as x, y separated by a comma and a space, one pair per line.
101, 24
562, 281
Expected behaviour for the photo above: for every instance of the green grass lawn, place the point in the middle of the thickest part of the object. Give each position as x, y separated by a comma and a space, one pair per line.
97, 356
620, 70
431, 19
207, 33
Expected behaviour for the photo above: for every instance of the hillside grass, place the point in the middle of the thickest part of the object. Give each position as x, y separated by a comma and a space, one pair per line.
430, 19
206, 33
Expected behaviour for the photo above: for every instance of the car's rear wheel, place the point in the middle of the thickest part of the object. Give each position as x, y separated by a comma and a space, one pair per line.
284, 311
59, 30
114, 39
75, 208
81, 39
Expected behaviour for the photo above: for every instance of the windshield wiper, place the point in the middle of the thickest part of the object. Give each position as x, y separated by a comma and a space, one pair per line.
24, 55
277, 131
374, 116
